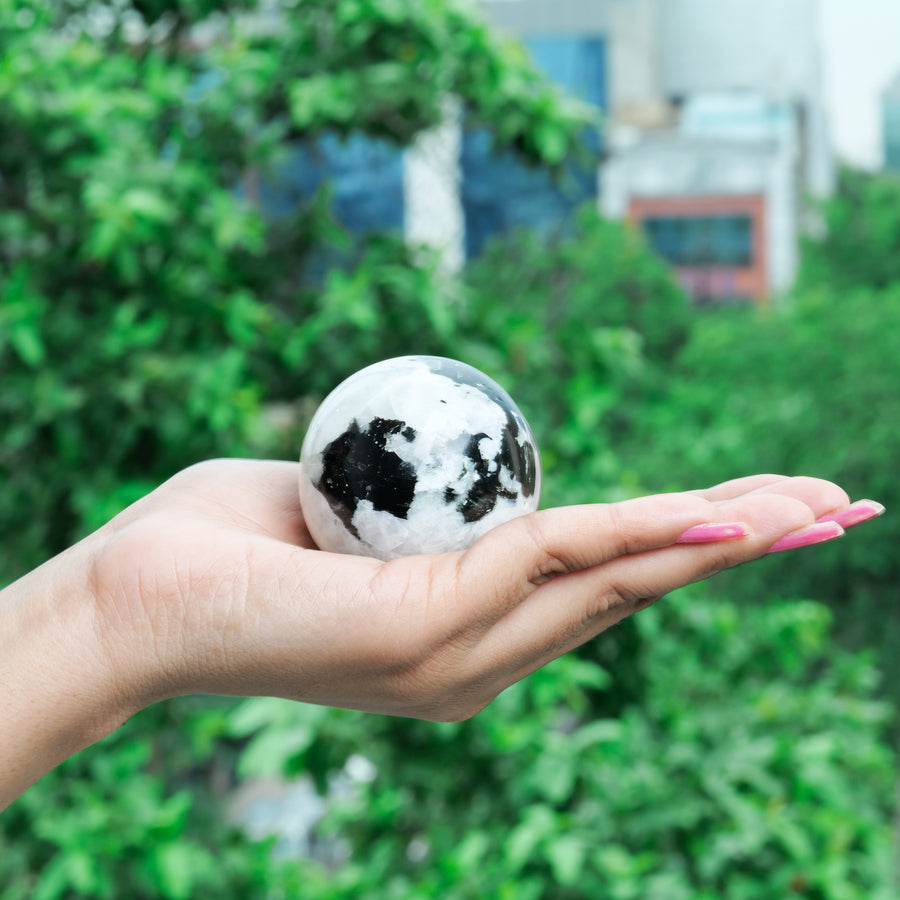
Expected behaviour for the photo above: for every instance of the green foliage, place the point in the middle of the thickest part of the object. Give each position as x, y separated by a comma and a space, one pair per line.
146, 307
861, 239
752, 766
124, 280
389, 302
586, 322
386, 67
810, 390
150, 316
132, 820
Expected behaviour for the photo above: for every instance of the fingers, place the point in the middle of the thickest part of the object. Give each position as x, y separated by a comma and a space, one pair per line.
819, 496
855, 514
509, 563
736, 487
573, 608
571, 573
518, 557
814, 491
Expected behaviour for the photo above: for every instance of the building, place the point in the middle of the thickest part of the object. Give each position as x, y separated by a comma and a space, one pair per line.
716, 130
718, 196
452, 190
715, 138
890, 125
498, 193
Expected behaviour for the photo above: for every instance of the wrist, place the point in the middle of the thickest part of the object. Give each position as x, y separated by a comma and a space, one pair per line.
60, 687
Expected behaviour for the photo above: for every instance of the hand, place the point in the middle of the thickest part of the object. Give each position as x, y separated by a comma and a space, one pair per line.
212, 584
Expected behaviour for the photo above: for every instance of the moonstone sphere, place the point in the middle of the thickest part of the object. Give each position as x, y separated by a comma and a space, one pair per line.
418, 454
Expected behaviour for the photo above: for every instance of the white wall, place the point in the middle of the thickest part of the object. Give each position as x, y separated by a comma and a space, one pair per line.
433, 211
759, 45
769, 47
679, 166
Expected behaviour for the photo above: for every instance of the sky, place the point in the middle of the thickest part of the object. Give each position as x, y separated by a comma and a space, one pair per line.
860, 42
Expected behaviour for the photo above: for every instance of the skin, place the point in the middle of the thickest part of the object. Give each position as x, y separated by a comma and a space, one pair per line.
212, 584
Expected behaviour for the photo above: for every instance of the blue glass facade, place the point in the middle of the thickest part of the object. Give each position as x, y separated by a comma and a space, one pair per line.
498, 191
365, 175
577, 62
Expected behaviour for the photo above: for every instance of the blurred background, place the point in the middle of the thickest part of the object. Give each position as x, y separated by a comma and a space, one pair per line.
670, 228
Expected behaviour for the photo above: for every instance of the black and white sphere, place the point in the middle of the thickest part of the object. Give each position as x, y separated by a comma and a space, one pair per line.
418, 454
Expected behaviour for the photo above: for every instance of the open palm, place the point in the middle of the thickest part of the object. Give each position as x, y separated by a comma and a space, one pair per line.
216, 581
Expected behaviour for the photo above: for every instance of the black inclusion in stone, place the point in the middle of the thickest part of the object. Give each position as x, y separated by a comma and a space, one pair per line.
529, 469
518, 458
356, 466
482, 496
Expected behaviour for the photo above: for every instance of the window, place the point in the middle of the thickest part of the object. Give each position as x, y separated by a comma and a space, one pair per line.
720, 240
499, 192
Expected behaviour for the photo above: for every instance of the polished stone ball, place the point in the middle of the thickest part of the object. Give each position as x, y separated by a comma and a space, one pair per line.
418, 454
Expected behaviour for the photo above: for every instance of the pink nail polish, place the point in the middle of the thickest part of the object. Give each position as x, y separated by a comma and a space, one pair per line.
856, 513
709, 532
805, 537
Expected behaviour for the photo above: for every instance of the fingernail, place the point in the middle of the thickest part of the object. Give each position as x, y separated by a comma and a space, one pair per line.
713, 531
805, 537
856, 513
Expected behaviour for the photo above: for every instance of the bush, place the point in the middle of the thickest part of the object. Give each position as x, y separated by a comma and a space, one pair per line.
754, 764
806, 390
140, 816
579, 329
860, 235
150, 316
147, 311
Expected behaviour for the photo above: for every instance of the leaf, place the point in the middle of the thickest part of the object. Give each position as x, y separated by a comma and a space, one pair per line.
538, 822
102, 240
567, 855
26, 339
602, 731
147, 204
21, 314
552, 141
175, 866
554, 775
53, 880
259, 712
82, 871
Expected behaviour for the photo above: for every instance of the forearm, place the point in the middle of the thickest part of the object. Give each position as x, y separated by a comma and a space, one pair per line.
58, 693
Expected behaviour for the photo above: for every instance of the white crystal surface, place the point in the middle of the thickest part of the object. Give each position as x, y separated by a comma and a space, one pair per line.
416, 455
